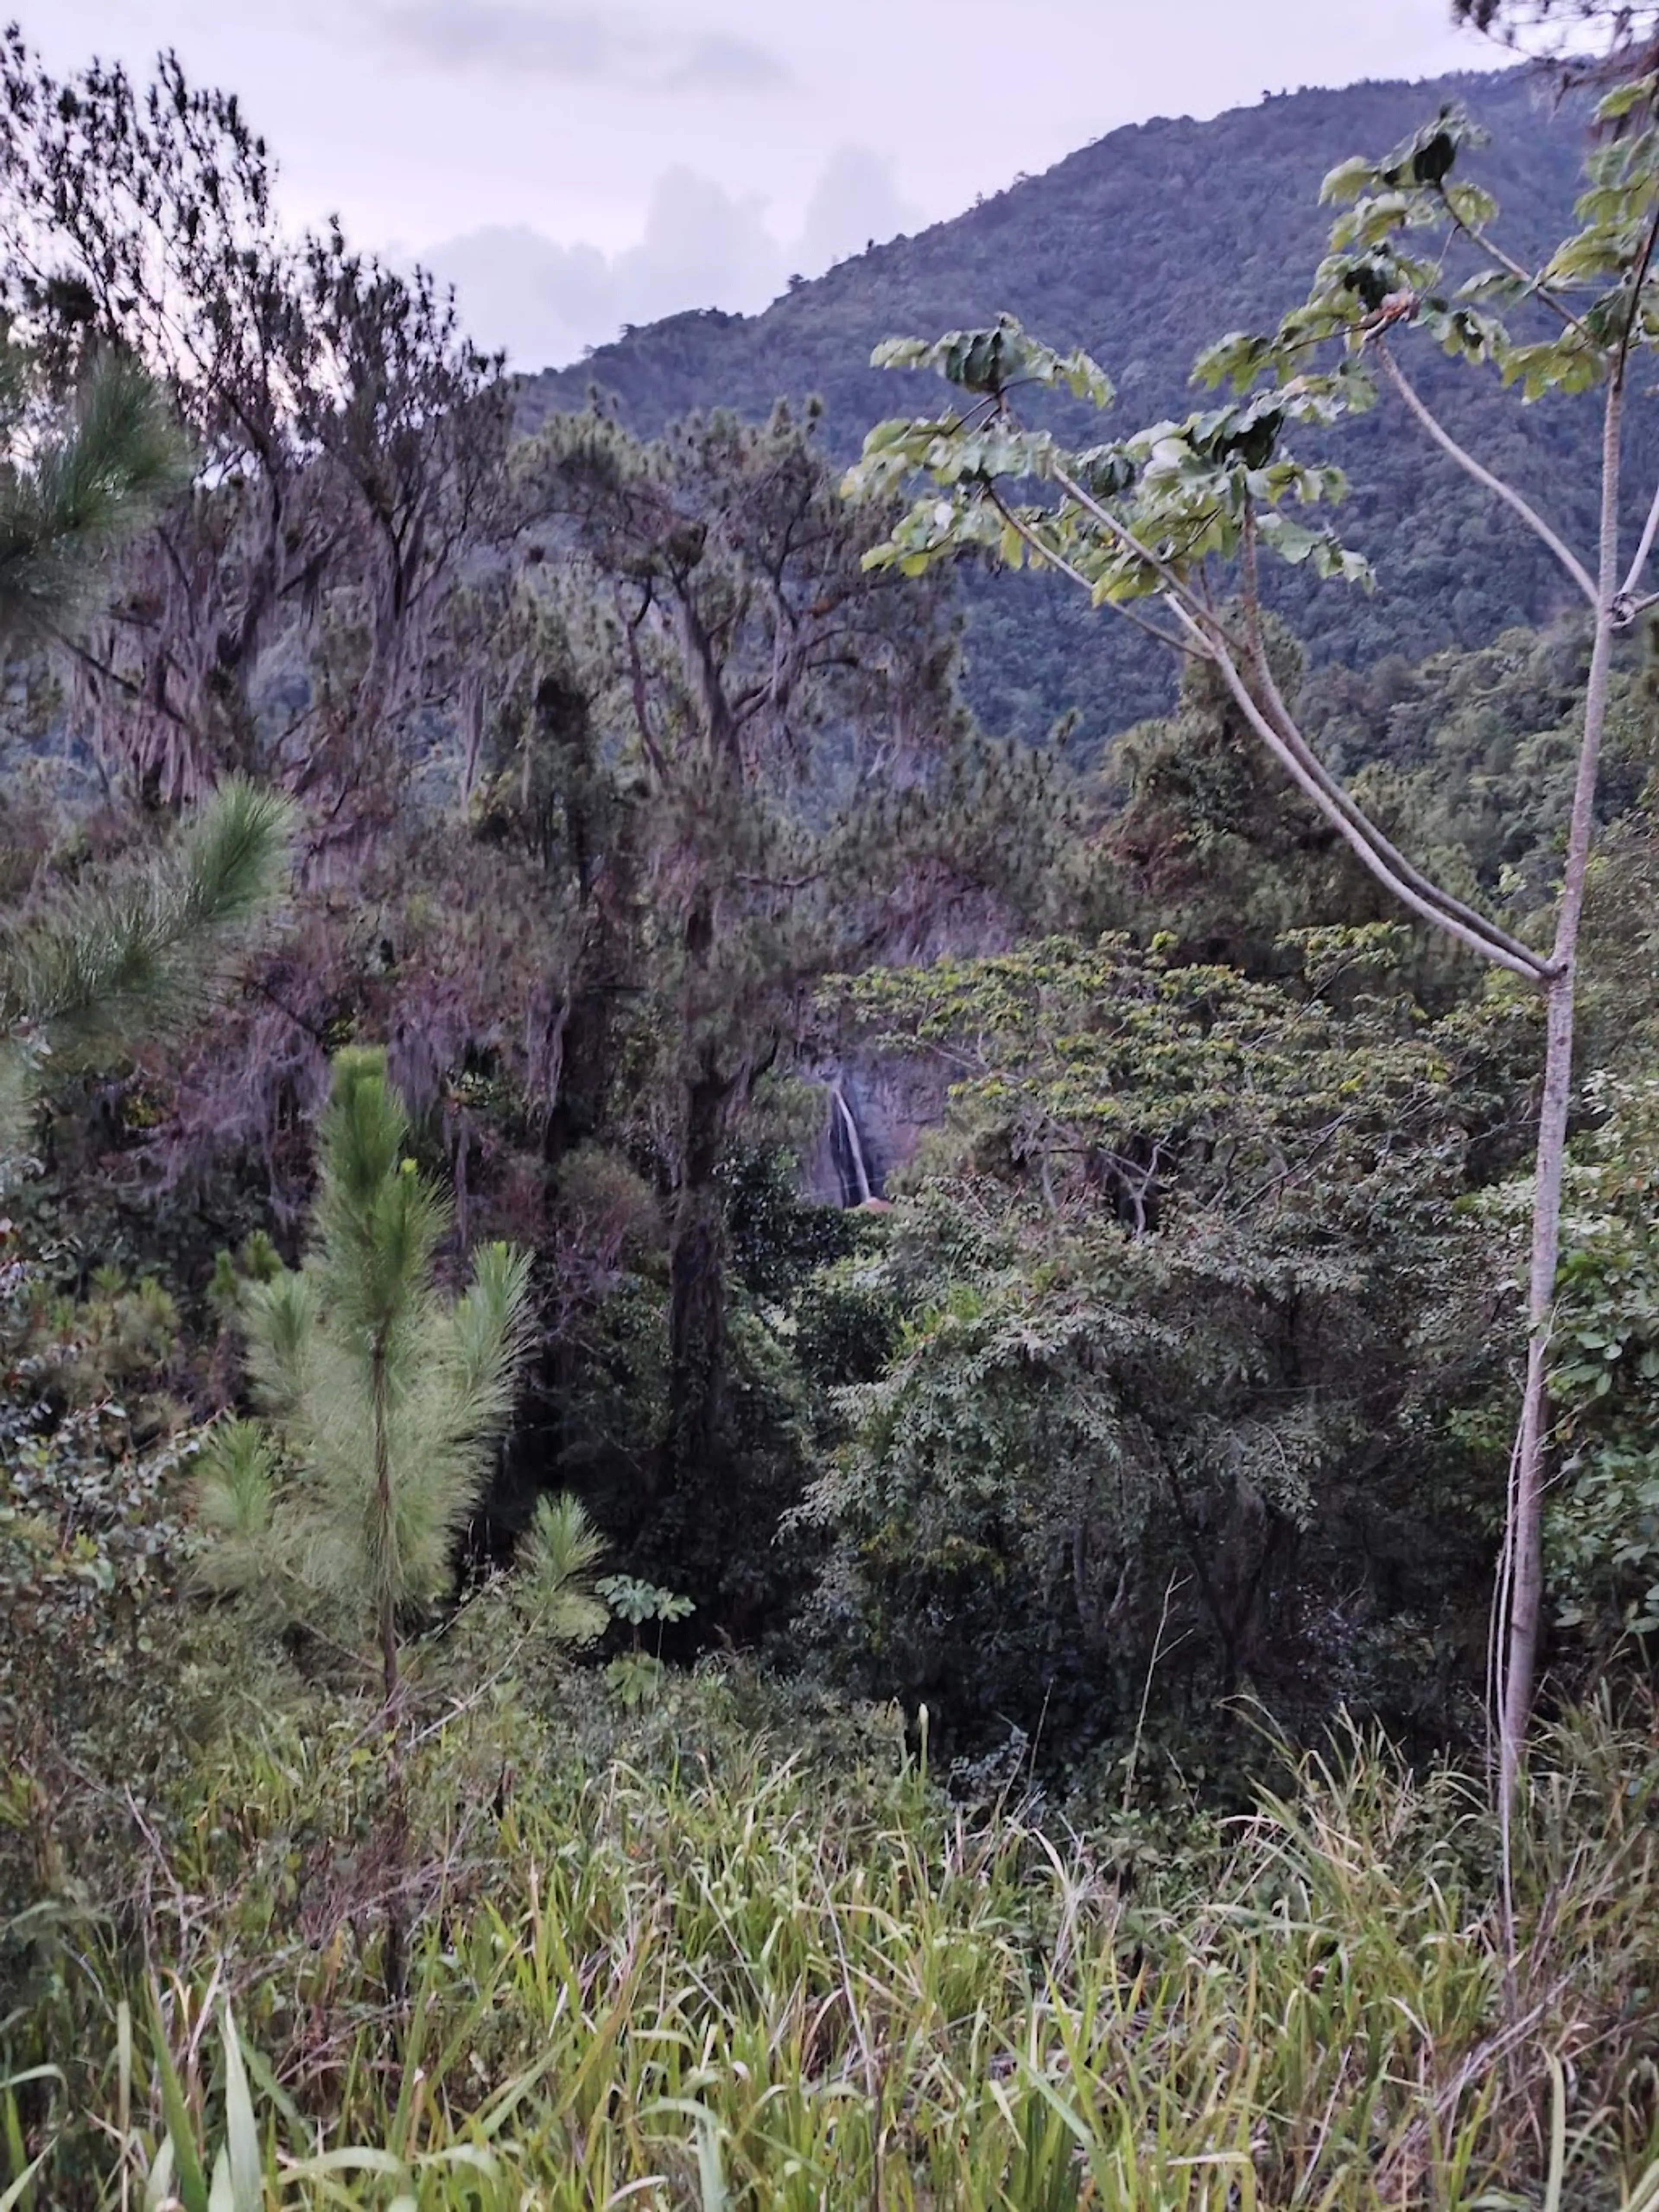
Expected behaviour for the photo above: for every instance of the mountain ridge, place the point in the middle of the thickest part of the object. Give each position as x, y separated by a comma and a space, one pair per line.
1144, 246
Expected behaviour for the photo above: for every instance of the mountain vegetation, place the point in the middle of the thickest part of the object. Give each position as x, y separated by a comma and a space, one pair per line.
756, 1442
1143, 248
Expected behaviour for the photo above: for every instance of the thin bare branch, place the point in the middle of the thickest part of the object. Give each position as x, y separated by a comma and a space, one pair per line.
1483, 476
1385, 848
1489, 943
1483, 244
1639, 560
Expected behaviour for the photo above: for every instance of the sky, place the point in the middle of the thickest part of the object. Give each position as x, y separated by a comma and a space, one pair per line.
575, 165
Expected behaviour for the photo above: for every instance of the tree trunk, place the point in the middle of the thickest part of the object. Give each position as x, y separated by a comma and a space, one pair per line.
1520, 1589
696, 1300
383, 1513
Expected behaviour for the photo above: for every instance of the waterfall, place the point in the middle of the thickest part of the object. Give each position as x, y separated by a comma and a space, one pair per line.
859, 1180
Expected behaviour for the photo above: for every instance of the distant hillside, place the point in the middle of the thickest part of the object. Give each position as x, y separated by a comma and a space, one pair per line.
1143, 246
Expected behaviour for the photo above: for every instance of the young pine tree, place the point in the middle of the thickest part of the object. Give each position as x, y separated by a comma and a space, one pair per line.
90, 968
76, 480
381, 1397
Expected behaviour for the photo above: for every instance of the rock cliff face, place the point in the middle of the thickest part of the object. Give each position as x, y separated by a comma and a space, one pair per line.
875, 1112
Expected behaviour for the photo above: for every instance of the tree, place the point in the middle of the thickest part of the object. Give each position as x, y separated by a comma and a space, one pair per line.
1184, 1276
1149, 521
87, 969
794, 788
381, 1398
74, 482
1212, 843
349, 438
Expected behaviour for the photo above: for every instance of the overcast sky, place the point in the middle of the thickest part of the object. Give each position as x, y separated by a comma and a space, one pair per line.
574, 166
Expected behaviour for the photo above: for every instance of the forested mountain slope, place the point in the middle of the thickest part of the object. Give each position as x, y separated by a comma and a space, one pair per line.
1143, 246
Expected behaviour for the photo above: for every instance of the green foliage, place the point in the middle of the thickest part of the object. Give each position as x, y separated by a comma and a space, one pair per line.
382, 1399
686, 1953
1211, 844
94, 1541
1603, 1530
94, 1548
1165, 234
635, 1601
74, 482
554, 1584
636, 1676
91, 968
236, 2168
1177, 1283
765, 775
1138, 517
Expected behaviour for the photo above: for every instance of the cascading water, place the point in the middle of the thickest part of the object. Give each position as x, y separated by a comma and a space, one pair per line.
849, 1147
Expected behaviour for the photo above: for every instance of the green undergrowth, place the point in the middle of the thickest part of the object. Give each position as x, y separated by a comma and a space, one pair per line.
676, 1966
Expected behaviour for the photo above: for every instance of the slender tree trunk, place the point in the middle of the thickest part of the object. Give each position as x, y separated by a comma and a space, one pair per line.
383, 1511
394, 1967
1521, 1594
696, 1297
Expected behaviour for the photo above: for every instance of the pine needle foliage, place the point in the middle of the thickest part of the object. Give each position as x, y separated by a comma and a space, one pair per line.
98, 962
382, 1397
75, 481
93, 968
556, 1562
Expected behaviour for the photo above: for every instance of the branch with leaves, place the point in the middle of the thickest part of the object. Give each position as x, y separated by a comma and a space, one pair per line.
1179, 515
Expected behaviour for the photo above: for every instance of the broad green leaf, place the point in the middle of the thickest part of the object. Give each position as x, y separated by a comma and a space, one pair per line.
1471, 206
1625, 99
1347, 180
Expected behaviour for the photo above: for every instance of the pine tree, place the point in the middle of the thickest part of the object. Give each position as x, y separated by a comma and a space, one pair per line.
74, 481
90, 968
381, 1397
87, 971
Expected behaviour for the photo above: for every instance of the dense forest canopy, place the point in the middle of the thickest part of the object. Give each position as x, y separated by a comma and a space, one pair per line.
755, 1440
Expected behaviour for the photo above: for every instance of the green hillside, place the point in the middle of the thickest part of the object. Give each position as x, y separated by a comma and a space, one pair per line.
1143, 246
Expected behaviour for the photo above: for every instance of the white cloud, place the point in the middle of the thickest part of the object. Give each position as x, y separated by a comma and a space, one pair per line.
855, 202
580, 45
702, 248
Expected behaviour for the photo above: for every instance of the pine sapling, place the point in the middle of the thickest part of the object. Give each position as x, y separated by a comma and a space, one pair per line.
380, 1398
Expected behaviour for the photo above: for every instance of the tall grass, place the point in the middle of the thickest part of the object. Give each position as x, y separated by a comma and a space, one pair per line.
747, 1983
